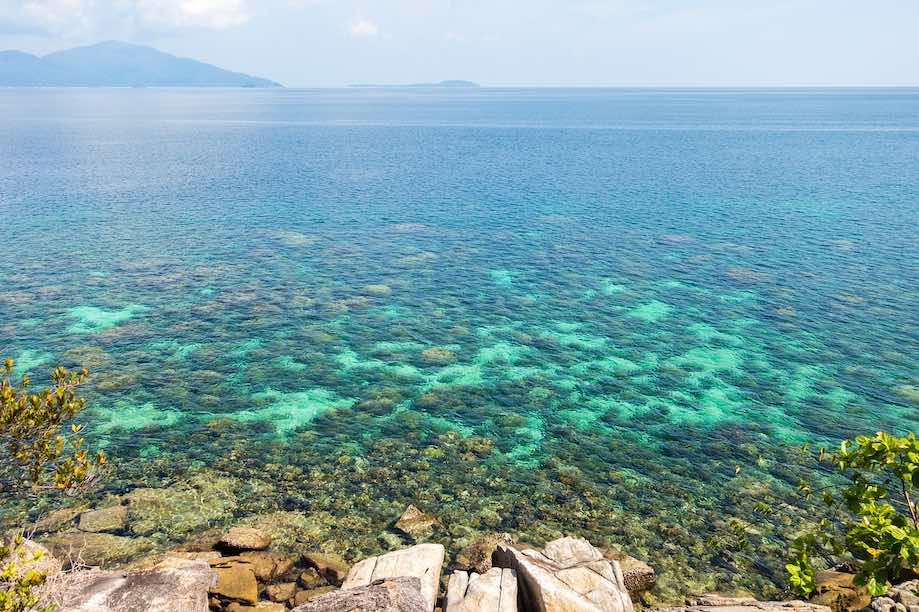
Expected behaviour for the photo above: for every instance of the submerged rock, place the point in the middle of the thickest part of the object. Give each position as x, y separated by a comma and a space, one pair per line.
437, 355
390, 595
57, 520
377, 289
96, 548
191, 507
423, 562
569, 575
495, 590
173, 584
111, 519
720, 603
244, 538
415, 523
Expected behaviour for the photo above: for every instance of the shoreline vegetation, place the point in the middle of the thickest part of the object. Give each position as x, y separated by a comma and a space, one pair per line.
194, 545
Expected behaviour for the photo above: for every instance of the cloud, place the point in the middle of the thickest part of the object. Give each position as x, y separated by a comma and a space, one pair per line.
364, 29
85, 18
180, 14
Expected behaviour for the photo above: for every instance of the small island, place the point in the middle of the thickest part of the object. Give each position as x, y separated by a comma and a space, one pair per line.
454, 84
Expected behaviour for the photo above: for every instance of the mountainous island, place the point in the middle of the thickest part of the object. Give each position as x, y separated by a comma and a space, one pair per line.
446, 84
116, 64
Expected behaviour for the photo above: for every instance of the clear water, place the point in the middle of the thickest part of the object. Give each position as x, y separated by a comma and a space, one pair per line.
338, 299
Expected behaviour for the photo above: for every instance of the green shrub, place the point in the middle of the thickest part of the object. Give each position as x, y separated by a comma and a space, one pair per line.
39, 450
35, 450
873, 518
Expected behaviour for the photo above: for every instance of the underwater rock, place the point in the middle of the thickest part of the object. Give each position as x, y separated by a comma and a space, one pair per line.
111, 519
569, 575
332, 567
96, 548
405, 228
837, 591
57, 520
235, 581
747, 276
495, 590
676, 238
244, 538
423, 562
637, 575
720, 603
910, 392
377, 290
173, 584
115, 382
415, 523
477, 556
391, 595
437, 355
189, 507
296, 239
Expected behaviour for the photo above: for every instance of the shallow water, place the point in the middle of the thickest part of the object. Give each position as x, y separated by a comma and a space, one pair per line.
643, 299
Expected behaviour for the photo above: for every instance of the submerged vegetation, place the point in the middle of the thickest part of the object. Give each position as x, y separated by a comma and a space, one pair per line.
873, 518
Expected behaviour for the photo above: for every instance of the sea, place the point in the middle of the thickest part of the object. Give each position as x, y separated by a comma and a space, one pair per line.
631, 315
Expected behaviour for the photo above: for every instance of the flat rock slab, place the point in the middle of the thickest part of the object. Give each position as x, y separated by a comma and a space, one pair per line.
423, 562
391, 595
570, 575
719, 603
494, 591
174, 584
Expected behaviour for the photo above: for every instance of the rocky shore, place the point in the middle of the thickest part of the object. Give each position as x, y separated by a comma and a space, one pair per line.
92, 568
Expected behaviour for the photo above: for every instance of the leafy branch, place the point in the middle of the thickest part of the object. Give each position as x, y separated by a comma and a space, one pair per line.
875, 510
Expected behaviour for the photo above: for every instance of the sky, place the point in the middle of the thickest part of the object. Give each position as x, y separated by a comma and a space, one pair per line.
327, 43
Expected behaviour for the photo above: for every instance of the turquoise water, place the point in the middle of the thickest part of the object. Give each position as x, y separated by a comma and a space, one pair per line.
609, 312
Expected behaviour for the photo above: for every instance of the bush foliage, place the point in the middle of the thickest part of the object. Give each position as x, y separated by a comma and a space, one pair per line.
40, 449
876, 513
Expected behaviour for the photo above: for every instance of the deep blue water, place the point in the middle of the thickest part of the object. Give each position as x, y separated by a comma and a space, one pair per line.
630, 293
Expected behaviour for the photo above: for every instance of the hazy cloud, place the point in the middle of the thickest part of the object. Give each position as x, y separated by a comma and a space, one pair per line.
364, 29
76, 18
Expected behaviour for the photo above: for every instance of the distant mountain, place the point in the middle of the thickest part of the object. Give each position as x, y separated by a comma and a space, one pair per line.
457, 84
116, 64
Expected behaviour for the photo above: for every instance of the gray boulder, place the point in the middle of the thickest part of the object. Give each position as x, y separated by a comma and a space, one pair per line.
569, 575
423, 562
389, 595
495, 590
173, 584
